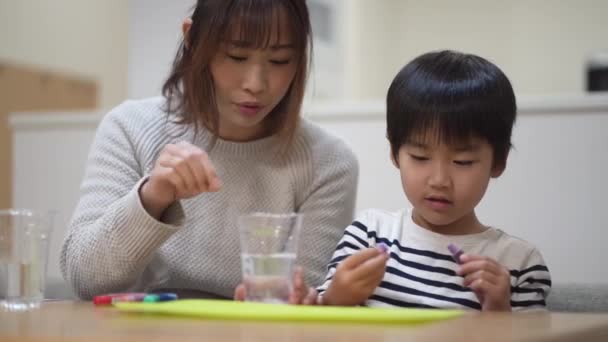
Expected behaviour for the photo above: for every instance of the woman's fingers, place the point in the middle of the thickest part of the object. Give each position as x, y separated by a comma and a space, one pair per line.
189, 169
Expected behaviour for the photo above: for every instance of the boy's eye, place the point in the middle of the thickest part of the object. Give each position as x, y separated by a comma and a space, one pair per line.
237, 58
464, 162
418, 158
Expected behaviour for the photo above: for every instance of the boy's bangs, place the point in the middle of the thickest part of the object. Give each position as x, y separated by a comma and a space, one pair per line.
454, 120
452, 129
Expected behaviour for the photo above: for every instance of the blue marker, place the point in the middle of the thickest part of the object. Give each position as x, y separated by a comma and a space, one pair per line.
160, 297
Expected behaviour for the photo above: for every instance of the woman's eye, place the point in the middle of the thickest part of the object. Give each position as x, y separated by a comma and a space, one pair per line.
280, 62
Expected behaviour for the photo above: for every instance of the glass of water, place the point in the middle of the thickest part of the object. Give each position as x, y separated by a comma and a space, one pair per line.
24, 239
268, 253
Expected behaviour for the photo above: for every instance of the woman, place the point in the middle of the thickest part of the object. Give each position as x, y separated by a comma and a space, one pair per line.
167, 177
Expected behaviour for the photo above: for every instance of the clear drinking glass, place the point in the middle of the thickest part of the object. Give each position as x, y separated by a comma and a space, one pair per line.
268, 253
24, 237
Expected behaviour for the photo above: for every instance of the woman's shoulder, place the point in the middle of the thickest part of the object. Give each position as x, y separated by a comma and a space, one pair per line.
140, 118
323, 144
138, 111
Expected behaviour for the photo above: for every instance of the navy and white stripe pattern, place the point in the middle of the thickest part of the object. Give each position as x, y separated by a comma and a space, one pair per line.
421, 272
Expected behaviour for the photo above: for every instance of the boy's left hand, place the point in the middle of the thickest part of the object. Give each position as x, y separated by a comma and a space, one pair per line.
490, 281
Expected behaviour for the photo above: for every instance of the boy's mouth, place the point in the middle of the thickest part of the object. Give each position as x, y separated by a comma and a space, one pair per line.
438, 203
438, 199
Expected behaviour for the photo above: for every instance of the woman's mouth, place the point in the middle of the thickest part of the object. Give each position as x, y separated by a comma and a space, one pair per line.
249, 109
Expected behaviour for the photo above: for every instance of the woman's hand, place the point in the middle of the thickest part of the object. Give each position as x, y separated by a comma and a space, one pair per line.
181, 171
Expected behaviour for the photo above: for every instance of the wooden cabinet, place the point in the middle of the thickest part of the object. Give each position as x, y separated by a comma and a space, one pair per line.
30, 89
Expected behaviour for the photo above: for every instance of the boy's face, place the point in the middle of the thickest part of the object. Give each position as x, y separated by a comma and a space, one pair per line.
445, 183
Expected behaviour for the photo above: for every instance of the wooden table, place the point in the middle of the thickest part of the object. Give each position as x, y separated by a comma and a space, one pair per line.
80, 321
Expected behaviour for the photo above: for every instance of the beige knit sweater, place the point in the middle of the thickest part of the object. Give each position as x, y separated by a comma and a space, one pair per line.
114, 245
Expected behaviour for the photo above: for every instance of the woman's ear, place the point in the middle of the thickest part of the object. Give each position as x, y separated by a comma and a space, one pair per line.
186, 25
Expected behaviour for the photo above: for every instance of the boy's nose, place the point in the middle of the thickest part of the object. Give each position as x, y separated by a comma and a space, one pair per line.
440, 177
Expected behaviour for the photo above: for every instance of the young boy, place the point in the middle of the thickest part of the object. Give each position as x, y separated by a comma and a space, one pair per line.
449, 122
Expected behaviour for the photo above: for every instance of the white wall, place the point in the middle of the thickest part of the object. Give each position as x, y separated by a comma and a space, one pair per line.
542, 45
154, 33
85, 38
552, 194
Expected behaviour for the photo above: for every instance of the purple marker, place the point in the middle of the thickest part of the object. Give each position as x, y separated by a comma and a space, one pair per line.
383, 247
456, 252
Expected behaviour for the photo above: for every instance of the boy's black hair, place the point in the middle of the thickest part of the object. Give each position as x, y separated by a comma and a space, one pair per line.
454, 96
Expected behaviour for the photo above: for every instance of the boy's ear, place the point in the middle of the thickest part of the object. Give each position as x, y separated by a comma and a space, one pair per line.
395, 161
499, 167
186, 25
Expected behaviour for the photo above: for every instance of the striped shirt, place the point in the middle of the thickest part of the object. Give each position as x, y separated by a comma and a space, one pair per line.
421, 272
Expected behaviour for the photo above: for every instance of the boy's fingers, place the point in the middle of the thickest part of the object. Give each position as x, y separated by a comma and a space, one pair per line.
359, 258
240, 293
299, 291
470, 257
311, 297
474, 265
298, 280
371, 268
487, 277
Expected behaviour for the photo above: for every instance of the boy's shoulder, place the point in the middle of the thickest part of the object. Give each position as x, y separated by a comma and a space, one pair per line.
515, 249
512, 241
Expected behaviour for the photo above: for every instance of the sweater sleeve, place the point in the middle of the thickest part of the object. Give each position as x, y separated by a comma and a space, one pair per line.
533, 283
328, 209
111, 238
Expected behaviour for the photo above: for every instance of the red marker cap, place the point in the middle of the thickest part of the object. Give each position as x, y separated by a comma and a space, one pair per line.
102, 300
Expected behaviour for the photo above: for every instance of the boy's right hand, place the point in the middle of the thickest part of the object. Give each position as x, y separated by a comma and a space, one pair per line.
181, 171
356, 277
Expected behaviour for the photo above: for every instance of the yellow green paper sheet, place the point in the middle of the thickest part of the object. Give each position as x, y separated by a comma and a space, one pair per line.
233, 310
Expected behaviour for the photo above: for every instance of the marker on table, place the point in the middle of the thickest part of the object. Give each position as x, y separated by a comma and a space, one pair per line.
113, 298
129, 297
456, 252
116, 297
160, 297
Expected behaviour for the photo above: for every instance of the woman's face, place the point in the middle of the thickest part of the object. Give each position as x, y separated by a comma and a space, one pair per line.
249, 82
